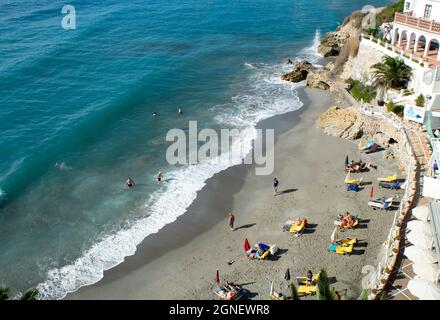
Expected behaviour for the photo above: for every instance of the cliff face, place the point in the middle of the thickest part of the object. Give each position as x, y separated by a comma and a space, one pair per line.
349, 123
333, 42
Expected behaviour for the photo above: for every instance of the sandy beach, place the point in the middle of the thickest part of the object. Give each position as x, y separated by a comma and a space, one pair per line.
180, 261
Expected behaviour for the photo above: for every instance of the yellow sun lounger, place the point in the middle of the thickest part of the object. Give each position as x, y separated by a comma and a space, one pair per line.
306, 290
303, 280
344, 249
298, 226
348, 242
388, 179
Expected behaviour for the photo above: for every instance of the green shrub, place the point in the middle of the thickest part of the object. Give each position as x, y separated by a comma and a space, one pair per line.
361, 91
387, 14
392, 107
420, 101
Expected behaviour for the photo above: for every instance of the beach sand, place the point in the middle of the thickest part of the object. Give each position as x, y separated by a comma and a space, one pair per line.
180, 261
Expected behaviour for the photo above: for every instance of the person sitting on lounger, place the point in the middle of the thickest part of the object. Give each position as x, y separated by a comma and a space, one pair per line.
309, 277
347, 221
251, 253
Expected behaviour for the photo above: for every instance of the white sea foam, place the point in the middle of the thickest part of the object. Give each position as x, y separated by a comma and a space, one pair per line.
264, 95
311, 53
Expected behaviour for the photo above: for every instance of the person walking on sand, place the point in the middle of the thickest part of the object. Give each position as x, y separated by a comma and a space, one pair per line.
231, 219
275, 186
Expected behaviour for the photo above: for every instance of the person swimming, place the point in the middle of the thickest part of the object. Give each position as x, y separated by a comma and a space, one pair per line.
129, 182
155, 114
159, 177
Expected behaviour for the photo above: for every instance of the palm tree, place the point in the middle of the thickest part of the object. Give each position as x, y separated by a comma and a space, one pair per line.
391, 73
323, 290
31, 294
4, 292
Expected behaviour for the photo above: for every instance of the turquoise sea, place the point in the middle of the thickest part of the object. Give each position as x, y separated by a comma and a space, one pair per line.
84, 99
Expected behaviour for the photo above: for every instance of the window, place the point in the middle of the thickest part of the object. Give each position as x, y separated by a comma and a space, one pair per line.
407, 6
428, 9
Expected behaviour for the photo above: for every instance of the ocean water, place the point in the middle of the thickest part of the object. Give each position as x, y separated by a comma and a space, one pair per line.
84, 98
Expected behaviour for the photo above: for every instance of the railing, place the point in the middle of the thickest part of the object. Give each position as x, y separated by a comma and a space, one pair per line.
389, 49
388, 262
420, 23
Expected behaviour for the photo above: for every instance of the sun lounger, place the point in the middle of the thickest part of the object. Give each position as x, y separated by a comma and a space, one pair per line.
375, 147
381, 203
230, 291
390, 185
303, 280
306, 290
392, 178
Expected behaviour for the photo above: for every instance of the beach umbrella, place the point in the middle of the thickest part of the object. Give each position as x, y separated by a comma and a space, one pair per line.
427, 271
217, 277
246, 245
424, 289
420, 255
371, 192
346, 160
421, 213
271, 288
420, 239
334, 235
287, 275
420, 227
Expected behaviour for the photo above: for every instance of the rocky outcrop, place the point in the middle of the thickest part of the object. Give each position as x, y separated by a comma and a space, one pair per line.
342, 123
318, 79
332, 43
300, 72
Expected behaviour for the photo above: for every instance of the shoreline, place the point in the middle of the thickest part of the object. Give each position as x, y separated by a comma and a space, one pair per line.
186, 253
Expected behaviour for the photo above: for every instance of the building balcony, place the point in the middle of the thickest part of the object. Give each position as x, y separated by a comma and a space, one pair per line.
417, 23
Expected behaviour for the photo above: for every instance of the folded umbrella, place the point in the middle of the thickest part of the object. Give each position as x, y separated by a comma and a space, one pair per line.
287, 275
217, 277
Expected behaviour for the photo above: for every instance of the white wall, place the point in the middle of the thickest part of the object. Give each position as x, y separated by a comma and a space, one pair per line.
418, 7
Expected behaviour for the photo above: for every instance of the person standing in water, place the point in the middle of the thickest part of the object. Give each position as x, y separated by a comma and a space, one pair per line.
231, 219
129, 182
179, 110
275, 186
155, 114
159, 177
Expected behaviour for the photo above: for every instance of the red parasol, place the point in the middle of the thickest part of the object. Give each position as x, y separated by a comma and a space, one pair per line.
217, 277
246, 245
371, 192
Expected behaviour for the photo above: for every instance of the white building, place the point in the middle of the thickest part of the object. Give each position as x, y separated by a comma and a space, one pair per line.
415, 37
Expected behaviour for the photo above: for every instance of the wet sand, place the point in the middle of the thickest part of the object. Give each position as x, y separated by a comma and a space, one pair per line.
180, 261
